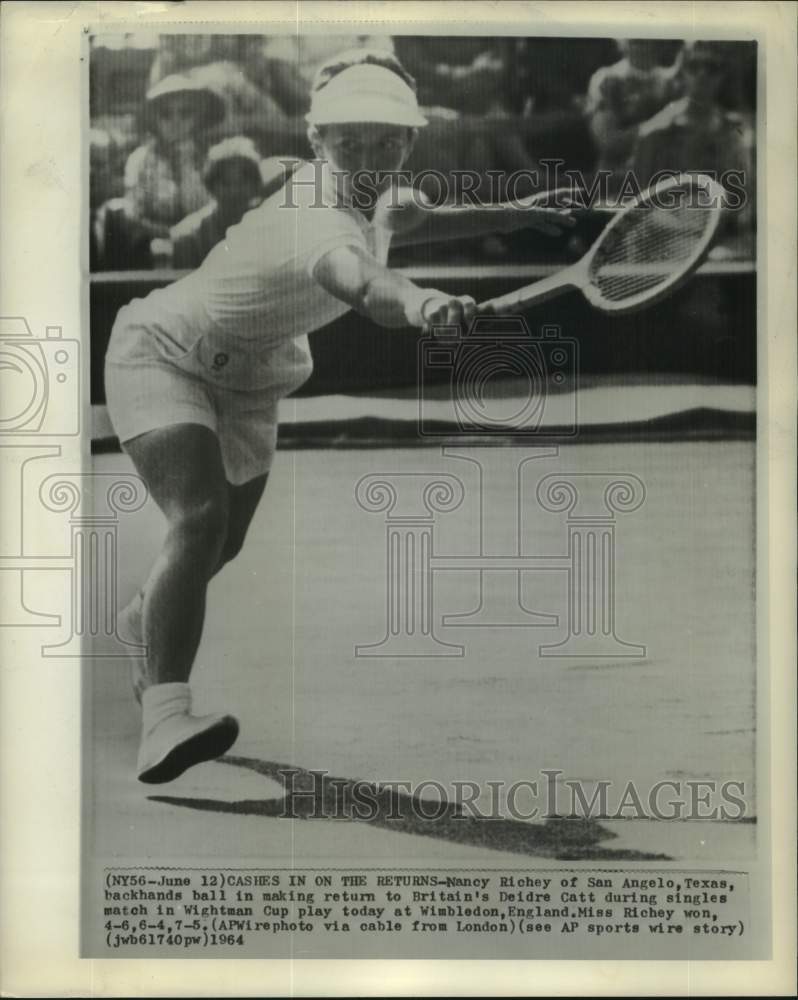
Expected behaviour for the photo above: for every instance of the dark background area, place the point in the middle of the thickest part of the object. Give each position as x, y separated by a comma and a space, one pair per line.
706, 329
535, 90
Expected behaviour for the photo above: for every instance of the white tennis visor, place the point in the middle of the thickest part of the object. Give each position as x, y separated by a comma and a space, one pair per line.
366, 93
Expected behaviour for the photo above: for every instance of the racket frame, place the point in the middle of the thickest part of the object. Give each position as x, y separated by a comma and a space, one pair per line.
577, 275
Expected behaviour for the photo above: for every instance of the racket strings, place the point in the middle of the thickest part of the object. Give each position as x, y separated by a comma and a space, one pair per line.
648, 246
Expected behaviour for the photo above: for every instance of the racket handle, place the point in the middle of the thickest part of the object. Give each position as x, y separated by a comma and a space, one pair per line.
539, 291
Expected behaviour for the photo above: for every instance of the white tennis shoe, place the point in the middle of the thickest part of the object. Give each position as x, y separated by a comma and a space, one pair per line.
172, 739
179, 742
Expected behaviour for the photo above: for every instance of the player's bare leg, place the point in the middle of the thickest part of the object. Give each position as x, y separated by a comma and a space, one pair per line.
242, 502
182, 467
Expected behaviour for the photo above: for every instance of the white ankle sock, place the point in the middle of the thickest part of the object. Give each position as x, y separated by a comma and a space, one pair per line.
161, 701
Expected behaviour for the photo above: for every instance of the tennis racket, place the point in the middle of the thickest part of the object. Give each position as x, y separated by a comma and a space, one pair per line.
570, 198
650, 246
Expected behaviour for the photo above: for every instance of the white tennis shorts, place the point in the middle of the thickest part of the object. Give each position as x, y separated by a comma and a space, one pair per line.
146, 390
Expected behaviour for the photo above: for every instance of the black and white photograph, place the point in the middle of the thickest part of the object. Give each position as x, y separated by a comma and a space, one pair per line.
414, 570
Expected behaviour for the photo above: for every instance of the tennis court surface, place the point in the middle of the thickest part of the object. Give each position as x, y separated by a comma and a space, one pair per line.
316, 580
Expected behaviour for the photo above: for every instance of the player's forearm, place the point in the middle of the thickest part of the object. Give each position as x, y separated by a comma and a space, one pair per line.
401, 303
382, 295
392, 300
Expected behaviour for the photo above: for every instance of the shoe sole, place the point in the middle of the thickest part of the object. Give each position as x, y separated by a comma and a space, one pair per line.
204, 746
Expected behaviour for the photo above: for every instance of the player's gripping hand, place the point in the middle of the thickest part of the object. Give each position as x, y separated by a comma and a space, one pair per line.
441, 309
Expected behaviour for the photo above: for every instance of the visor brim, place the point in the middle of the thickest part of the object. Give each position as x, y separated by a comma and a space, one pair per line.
371, 110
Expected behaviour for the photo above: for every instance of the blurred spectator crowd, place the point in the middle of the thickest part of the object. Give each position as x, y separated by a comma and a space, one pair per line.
190, 131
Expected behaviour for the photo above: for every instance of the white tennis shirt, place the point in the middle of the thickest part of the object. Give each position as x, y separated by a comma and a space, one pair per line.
244, 314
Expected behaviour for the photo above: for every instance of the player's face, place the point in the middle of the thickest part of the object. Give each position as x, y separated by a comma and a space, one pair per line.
365, 148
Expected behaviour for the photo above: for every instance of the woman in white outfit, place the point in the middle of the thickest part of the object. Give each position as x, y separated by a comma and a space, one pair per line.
194, 371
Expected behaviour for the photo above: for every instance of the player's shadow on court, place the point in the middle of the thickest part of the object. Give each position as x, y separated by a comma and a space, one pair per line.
313, 795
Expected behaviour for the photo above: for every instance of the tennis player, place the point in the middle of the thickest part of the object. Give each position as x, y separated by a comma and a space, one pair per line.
194, 371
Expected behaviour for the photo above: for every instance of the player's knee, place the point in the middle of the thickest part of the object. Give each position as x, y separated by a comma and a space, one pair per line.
201, 529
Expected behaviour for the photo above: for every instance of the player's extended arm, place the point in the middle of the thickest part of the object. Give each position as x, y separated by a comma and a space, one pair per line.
412, 218
352, 275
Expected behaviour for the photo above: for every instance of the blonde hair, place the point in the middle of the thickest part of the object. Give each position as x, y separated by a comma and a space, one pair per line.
360, 57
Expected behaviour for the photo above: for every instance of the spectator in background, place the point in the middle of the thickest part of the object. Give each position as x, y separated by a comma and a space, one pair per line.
464, 87
552, 74
217, 62
463, 74
696, 134
291, 63
102, 163
232, 176
163, 177
101, 188
179, 54
244, 102
623, 96
238, 179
